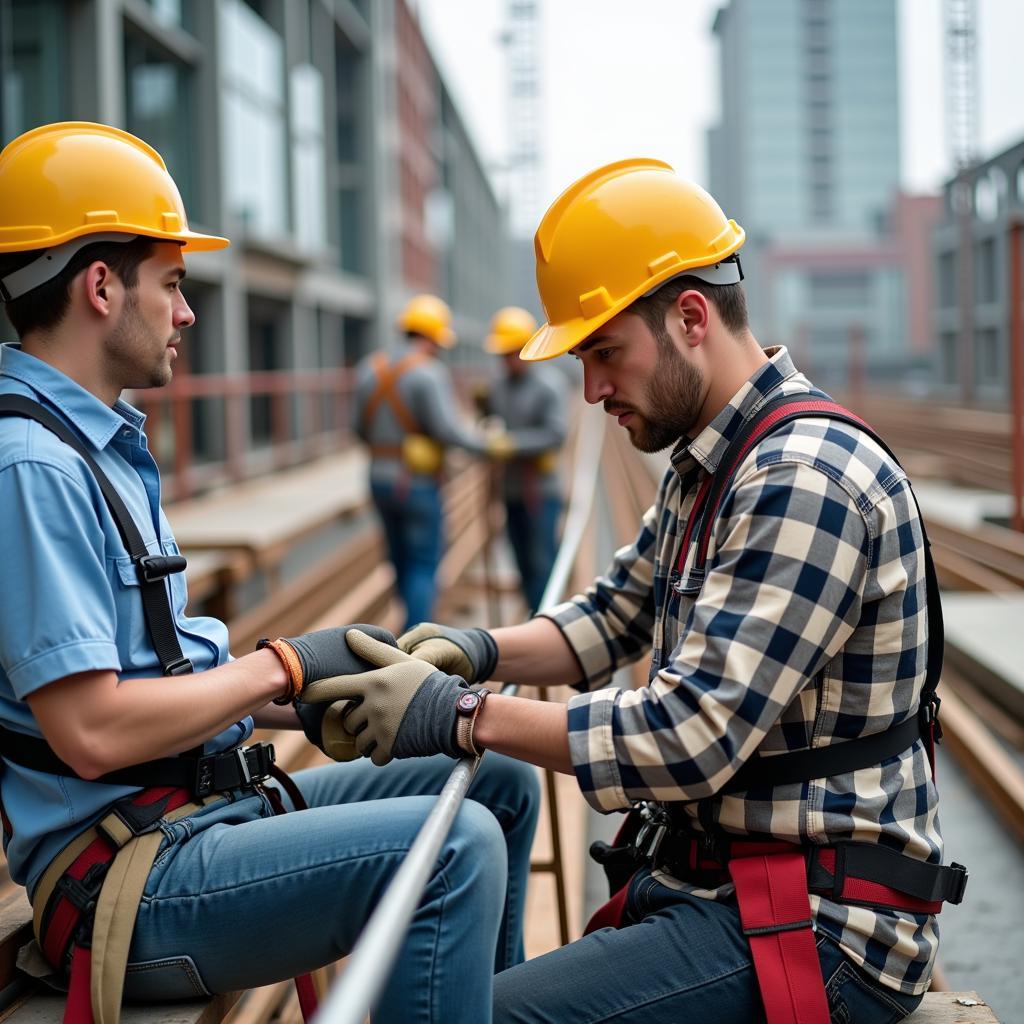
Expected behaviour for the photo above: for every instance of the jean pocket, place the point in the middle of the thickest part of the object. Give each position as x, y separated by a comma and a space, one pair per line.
853, 998
172, 977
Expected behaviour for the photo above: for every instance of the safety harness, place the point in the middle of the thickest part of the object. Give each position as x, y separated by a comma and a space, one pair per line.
86, 902
388, 375
773, 878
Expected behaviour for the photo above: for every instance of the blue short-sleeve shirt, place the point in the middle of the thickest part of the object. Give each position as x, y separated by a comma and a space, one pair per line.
69, 600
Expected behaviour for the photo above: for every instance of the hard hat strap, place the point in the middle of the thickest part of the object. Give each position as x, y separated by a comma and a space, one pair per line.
52, 261
728, 271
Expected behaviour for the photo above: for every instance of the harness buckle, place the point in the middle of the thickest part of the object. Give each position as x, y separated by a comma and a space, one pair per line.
958, 886
257, 760
652, 832
158, 567
205, 771
82, 893
929, 714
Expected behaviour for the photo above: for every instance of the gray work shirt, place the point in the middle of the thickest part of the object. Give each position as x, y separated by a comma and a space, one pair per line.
532, 406
426, 391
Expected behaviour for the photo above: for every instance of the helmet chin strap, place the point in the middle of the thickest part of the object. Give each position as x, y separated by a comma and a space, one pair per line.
52, 261
728, 271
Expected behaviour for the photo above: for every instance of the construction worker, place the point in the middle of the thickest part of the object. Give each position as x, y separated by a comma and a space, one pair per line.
122, 719
786, 858
405, 410
529, 401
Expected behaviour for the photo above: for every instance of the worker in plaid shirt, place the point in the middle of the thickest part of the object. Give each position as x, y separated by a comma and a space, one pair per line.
807, 626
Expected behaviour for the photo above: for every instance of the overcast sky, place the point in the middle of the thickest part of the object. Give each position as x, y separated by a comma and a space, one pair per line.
640, 78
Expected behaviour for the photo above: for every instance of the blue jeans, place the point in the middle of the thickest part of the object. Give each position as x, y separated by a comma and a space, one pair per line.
533, 534
240, 898
680, 959
410, 511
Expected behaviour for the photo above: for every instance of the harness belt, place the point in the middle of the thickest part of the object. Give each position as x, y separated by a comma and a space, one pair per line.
200, 774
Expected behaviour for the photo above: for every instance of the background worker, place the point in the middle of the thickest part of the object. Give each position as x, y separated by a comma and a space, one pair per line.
529, 401
799, 643
405, 410
92, 236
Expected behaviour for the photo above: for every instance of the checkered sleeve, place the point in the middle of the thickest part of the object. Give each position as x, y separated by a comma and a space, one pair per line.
609, 625
783, 593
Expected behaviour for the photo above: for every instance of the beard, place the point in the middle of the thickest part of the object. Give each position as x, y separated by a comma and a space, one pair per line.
135, 356
673, 399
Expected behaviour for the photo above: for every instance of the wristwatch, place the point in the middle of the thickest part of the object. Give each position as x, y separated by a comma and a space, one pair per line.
467, 707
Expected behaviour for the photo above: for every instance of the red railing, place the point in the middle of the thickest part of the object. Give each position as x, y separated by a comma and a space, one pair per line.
212, 428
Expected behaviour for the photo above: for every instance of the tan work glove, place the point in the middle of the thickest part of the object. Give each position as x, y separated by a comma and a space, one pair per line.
470, 653
403, 708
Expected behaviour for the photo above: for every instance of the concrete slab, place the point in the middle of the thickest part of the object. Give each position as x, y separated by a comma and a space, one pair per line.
985, 643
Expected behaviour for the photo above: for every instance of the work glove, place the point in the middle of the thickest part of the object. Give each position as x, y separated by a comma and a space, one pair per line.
403, 707
500, 445
470, 653
316, 655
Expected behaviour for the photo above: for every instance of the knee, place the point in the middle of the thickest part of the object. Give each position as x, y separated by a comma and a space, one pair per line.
476, 850
505, 783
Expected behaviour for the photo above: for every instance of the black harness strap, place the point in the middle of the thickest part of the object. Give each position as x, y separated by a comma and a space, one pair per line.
865, 751
152, 570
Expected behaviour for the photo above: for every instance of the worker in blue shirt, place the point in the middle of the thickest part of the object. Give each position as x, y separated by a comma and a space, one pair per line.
94, 711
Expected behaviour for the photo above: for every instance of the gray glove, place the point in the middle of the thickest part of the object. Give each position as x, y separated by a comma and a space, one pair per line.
323, 721
470, 653
402, 708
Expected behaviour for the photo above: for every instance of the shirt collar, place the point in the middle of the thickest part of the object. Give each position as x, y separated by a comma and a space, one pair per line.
710, 444
97, 422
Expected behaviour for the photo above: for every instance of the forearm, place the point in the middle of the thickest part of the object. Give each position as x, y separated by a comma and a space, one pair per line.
528, 730
535, 654
120, 723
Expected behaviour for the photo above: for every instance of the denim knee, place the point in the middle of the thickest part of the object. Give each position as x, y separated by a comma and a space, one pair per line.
514, 782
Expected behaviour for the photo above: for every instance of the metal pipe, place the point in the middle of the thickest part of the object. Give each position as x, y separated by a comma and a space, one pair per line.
1017, 373
371, 960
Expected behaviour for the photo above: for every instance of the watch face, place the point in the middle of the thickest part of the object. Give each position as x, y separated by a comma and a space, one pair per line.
467, 701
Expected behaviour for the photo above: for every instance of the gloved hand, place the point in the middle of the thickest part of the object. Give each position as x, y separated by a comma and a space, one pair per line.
470, 653
320, 653
402, 708
500, 445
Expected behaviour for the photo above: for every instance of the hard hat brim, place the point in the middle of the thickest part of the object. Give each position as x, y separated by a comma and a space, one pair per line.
555, 340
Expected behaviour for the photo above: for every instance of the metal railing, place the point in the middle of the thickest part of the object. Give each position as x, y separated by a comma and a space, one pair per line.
373, 956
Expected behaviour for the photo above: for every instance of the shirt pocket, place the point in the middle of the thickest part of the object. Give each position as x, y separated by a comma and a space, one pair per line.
134, 644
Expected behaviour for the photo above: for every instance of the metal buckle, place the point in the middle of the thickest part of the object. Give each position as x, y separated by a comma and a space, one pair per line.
182, 667
243, 763
205, 769
652, 832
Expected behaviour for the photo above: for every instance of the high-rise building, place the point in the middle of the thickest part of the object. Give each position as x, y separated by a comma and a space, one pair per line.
806, 157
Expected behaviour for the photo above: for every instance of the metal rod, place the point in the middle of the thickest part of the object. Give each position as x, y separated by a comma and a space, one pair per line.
1017, 373
370, 963
368, 968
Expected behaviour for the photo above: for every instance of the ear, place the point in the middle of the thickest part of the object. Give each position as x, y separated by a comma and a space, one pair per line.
692, 312
101, 287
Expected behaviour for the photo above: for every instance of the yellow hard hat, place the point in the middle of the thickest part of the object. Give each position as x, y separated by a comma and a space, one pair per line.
76, 180
511, 328
429, 316
614, 236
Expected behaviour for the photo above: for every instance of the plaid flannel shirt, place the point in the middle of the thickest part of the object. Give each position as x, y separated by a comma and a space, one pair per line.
809, 628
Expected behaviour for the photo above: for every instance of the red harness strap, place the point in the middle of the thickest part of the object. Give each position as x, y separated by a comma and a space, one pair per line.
771, 892
77, 892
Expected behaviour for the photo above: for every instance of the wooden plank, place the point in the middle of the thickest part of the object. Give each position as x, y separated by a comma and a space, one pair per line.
48, 1008
953, 1008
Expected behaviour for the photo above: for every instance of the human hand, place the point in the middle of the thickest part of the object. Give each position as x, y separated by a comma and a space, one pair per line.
403, 707
323, 721
470, 653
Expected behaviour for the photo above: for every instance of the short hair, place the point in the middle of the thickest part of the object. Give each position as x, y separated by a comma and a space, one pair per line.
46, 305
729, 299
